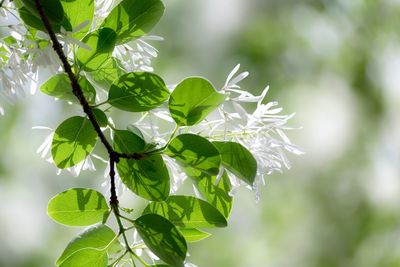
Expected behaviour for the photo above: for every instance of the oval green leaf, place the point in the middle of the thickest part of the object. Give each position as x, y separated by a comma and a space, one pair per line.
101, 117
78, 207
238, 160
215, 194
87, 257
73, 140
35, 22
138, 91
59, 86
131, 19
195, 151
192, 100
188, 212
98, 237
162, 238
52, 9
102, 43
193, 235
78, 12
147, 177
105, 75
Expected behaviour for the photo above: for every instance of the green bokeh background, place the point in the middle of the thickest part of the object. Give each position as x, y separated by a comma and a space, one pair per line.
335, 63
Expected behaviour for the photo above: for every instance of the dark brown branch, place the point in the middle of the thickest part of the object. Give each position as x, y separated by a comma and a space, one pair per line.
77, 91
114, 197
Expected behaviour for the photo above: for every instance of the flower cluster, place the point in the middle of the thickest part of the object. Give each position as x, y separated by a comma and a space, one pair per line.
24, 56
261, 130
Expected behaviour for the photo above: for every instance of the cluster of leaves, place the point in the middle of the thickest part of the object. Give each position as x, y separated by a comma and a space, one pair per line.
169, 221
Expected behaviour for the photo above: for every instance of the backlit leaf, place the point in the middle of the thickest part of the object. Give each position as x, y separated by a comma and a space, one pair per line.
192, 100
78, 207
131, 19
188, 212
195, 151
162, 238
147, 177
138, 91
73, 140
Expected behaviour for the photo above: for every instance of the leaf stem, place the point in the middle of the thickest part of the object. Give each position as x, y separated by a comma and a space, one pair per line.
127, 219
118, 260
156, 151
99, 104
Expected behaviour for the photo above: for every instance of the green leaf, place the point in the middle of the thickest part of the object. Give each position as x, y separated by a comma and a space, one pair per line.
136, 131
35, 22
78, 207
98, 237
238, 160
102, 43
73, 140
105, 74
188, 212
193, 235
215, 194
77, 12
195, 151
101, 117
138, 91
52, 9
147, 177
162, 238
133, 18
192, 100
87, 257
59, 86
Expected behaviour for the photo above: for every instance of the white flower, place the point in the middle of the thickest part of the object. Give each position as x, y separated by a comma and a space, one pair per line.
66, 39
262, 131
102, 9
137, 55
176, 172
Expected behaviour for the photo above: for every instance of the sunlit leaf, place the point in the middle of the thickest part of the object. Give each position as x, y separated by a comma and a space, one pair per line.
238, 160
133, 18
78, 207
52, 9
188, 212
195, 151
78, 12
192, 100
215, 194
100, 116
87, 257
193, 235
138, 91
162, 238
35, 22
98, 237
102, 43
105, 74
73, 140
147, 177
59, 86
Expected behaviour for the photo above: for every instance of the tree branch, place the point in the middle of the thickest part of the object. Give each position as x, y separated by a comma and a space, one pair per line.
77, 91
